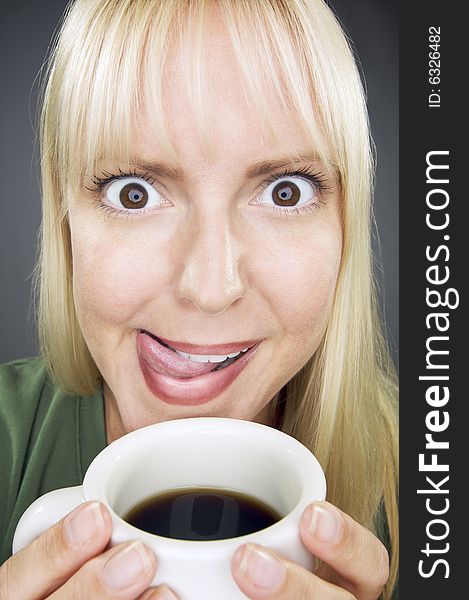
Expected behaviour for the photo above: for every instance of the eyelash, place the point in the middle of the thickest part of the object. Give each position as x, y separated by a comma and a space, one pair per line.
107, 177
319, 180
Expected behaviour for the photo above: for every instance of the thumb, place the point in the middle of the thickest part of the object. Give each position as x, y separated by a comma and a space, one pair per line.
51, 559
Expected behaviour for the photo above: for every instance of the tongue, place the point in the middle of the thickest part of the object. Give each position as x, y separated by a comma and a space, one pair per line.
163, 360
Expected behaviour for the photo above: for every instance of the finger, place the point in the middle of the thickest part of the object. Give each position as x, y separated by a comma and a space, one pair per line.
122, 573
160, 593
262, 574
355, 558
45, 564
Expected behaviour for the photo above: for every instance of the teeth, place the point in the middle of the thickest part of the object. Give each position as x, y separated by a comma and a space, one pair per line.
211, 358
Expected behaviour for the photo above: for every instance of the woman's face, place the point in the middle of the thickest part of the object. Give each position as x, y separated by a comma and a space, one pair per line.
223, 254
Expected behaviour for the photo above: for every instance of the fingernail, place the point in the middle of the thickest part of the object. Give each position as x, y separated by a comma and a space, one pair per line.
326, 524
127, 566
164, 593
261, 568
161, 593
84, 523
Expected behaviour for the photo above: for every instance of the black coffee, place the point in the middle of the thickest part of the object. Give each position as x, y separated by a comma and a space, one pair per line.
201, 514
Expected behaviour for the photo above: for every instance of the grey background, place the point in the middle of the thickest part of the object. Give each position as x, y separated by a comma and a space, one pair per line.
27, 27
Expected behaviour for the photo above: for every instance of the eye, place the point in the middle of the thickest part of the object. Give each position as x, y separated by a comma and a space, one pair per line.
289, 191
132, 193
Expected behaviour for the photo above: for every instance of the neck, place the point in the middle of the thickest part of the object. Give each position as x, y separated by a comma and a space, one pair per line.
115, 427
114, 424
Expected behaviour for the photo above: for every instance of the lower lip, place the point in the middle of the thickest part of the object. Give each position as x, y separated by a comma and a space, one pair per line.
196, 390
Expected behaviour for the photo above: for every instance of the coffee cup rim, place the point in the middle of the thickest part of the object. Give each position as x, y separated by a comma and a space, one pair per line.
313, 487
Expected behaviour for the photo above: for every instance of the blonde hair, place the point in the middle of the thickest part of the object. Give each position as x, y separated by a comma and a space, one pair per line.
342, 404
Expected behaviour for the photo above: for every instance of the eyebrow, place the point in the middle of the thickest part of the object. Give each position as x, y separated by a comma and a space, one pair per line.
161, 169
267, 166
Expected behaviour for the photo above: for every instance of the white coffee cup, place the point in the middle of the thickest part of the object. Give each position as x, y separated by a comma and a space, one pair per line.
255, 459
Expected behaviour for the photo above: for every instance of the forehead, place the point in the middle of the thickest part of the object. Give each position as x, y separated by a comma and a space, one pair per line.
223, 121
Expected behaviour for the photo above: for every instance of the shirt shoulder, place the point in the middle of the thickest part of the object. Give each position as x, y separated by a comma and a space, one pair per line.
36, 413
22, 384
21, 381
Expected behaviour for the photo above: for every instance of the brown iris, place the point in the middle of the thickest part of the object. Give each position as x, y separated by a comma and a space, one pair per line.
286, 193
133, 195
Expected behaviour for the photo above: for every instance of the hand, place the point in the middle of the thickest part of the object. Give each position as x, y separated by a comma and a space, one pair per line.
70, 560
355, 562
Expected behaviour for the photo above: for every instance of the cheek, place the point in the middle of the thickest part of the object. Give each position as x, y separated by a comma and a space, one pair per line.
113, 280
301, 280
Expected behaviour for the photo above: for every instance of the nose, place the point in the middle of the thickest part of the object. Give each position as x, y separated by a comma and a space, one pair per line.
211, 277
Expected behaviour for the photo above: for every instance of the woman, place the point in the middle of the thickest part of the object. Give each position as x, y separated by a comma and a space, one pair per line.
206, 176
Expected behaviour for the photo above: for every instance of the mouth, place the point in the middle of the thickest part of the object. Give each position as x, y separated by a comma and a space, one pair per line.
182, 373
216, 357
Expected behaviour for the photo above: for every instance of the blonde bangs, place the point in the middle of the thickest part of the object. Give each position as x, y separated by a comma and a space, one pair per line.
109, 71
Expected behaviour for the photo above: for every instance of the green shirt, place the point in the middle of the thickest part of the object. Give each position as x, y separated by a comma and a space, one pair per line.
47, 440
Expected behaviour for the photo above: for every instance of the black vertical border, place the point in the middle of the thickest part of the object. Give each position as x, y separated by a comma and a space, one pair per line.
424, 129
